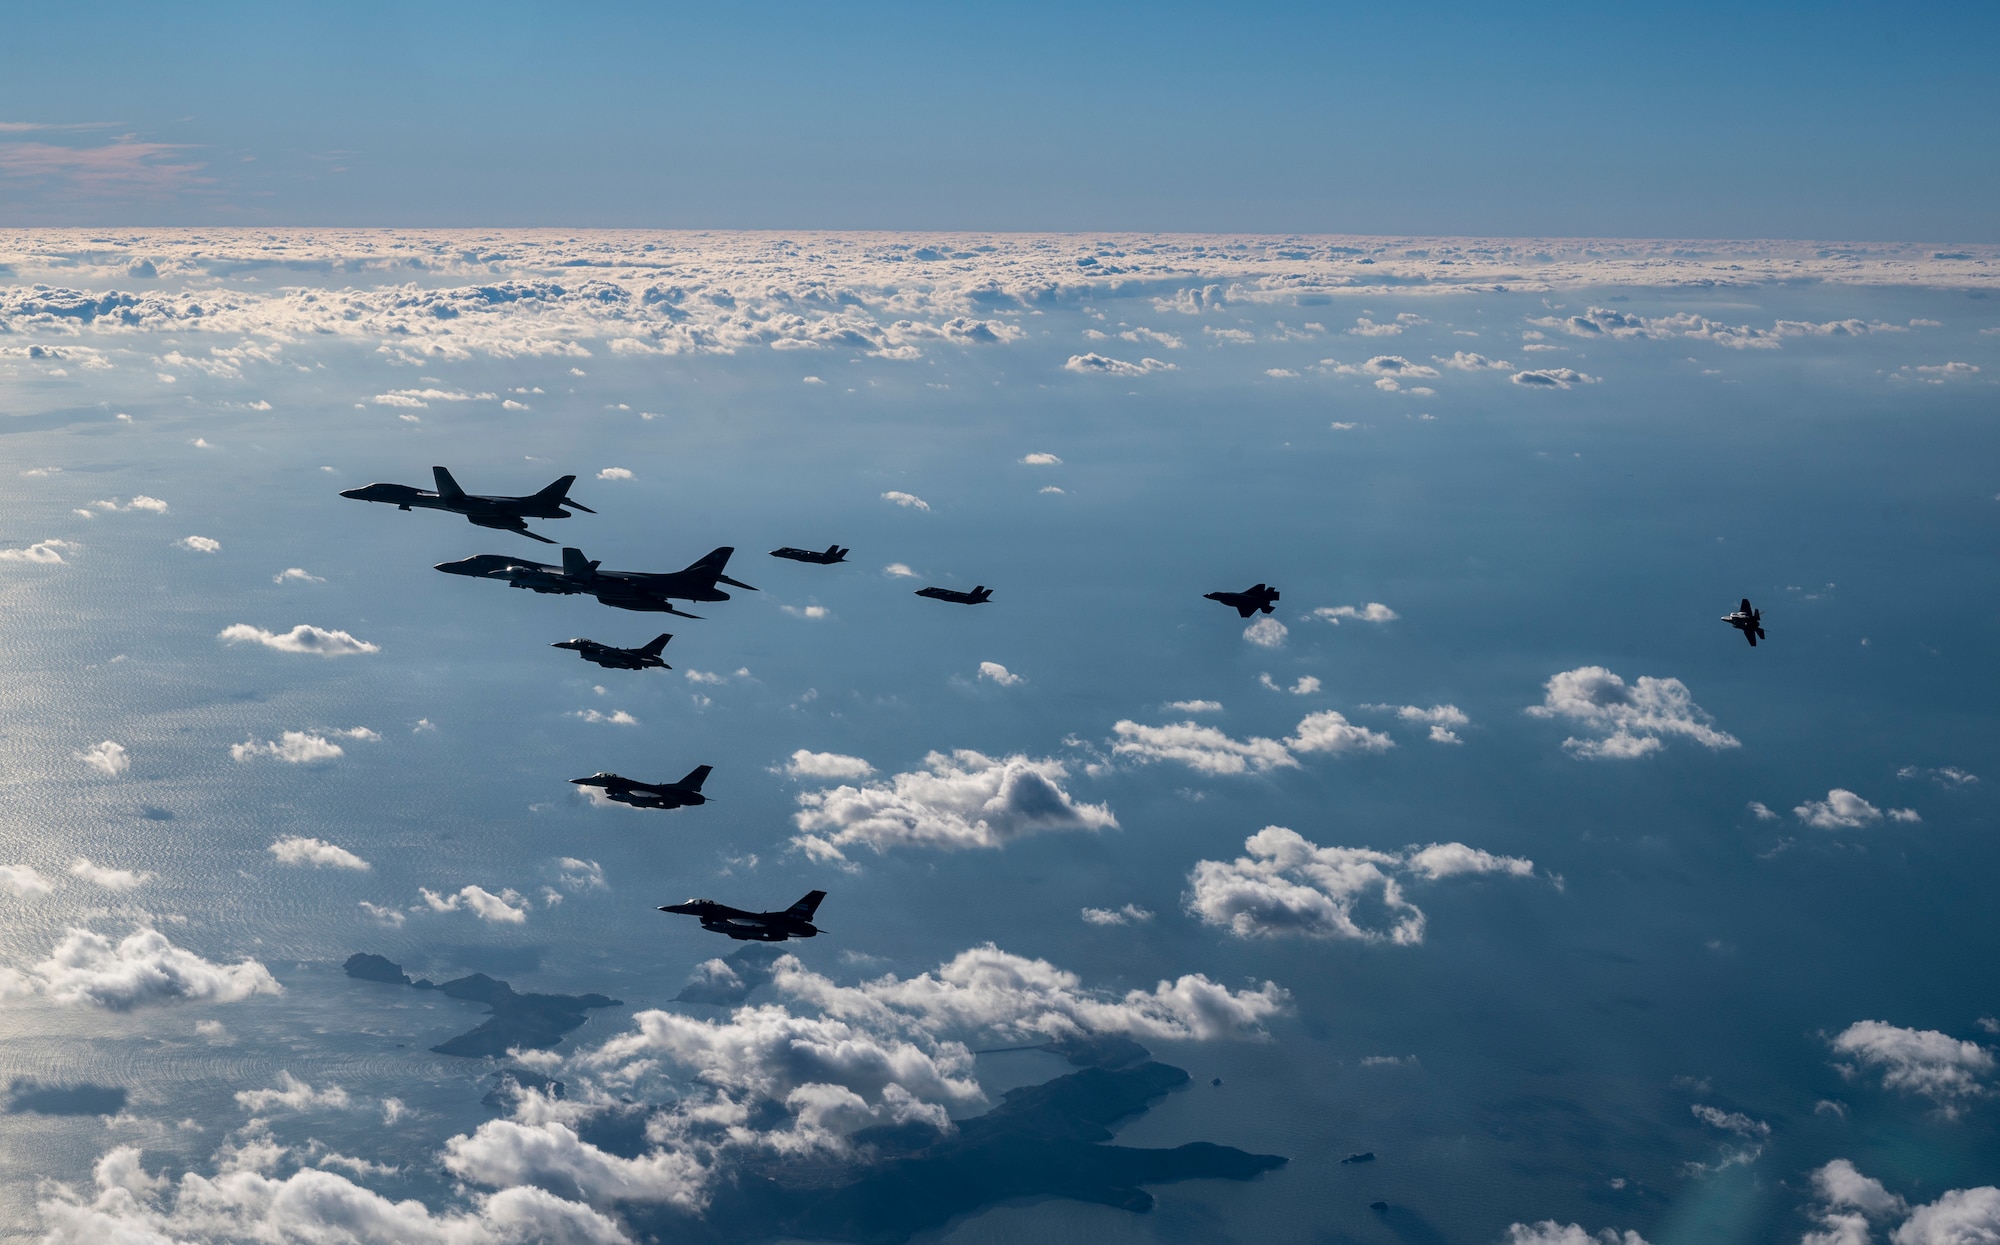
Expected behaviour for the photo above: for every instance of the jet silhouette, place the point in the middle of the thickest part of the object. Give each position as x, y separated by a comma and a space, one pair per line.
1750, 622
505, 513
834, 553
793, 922
625, 590
979, 595
645, 657
1247, 602
651, 794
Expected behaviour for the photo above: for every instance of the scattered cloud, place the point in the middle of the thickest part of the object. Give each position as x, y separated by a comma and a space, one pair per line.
292, 747
1288, 886
45, 551
1130, 914
1844, 810
1374, 612
897, 570
1042, 460
1626, 720
292, 1094
1266, 633
142, 968
805, 764
1101, 365
1194, 706
615, 473
1444, 720
964, 800
814, 613
110, 879
1365, 327
505, 908
1549, 1232
107, 758
999, 674
617, 717
1949, 777
148, 505
198, 544
1762, 811
22, 881
909, 501
296, 573
1202, 748
1329, 731
1924, 1062
1552, 378
297, 850
1462, 361
300, 639
1306, 685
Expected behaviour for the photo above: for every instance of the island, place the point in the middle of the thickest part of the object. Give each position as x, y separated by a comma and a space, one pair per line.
517, 1021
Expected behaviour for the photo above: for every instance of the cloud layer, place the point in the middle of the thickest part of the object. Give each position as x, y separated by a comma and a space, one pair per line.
964, 800
1625, 721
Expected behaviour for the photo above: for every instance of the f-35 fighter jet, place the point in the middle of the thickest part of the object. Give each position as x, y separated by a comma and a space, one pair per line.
626, 590
506, 513
645, 657
1247, 602
979, 595
1750, 622
793, 922
834, 553
651, 794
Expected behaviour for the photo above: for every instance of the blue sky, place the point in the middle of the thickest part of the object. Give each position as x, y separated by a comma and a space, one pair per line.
1829, 121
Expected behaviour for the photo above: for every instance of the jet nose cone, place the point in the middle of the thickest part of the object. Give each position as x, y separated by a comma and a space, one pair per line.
353, 492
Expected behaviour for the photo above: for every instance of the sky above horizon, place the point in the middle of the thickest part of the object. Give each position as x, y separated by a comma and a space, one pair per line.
1848, 121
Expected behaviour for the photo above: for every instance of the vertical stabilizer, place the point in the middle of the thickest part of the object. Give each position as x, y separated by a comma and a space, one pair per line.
657, 646
447, 487
696, 777
805, 908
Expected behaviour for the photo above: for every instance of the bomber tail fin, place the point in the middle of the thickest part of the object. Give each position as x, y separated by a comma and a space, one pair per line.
447, 487
557, 493
805, 908
575, 564
696, 777
658, 645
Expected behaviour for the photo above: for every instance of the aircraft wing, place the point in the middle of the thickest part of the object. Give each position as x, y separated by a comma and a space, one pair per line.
1750, 634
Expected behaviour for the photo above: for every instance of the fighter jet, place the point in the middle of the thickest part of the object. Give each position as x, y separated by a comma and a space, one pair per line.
834, 553
1750, 622
626, 590
645, 657
793, 922
651, 794
1247, 602
505, 513
979, 595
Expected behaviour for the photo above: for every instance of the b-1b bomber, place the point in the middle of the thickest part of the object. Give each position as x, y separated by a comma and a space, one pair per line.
832, 554
793, 922
638, 794
1247, 602
611, 657
625, 590
508, 514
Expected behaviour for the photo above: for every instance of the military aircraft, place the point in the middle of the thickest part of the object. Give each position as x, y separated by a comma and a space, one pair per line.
834, 553
979, 595
506, 513
1750, 622
1247, 602
626, 590
793, 922
645, 657
651, 794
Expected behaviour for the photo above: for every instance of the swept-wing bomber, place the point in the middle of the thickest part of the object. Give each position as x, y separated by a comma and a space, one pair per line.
1750, 622
834, 553
979, 595
793, 922
651, 794
626, 590
645, 657
1247, 602
509, 514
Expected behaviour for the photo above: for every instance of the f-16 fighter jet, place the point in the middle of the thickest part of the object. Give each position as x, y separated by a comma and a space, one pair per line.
1750, 622
645, 657
651, 794
505, 513
979, 595
793, 922
627, 590
834, 553
1247, 602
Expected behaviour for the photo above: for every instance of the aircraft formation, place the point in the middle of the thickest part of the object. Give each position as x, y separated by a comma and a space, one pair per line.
655, 592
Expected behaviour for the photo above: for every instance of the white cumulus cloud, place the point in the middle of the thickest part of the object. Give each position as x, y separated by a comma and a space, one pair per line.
1925, 1062
1844, 810
909, 501
1329, 731
298, 850
999, 674
292, 1094
1373, 611
107, 757
1130, 914
1204, 748
292, 747
198, 544
807, 764
505, 908
141, 968
1288, 886
303, 638
964, 800
109, 878
1444, 720
1626, 720
615, 473
1042, 460
1266, 633
45, 551
296, 573
23, 880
